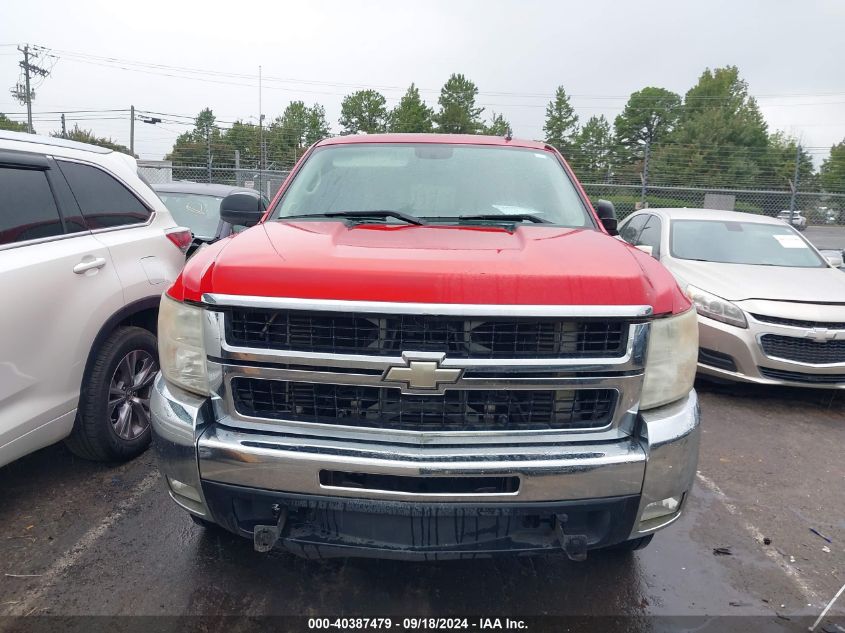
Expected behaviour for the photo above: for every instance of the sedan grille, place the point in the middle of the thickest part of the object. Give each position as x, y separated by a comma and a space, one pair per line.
828, 325
456, 410
392, 334
803, 350
795, 376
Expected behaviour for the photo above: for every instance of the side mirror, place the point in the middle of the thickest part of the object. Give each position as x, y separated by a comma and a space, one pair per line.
648, 249
607, 214
834, 258
241, 208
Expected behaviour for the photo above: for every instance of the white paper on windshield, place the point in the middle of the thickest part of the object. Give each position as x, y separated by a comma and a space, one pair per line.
790, 241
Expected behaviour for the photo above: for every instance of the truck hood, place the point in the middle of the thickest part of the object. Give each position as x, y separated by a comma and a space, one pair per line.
739, 282
532, 265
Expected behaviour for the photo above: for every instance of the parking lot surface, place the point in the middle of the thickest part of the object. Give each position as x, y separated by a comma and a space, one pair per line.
80, 538
826, 237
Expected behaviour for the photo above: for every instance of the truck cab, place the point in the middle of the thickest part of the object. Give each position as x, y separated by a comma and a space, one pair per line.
429, 346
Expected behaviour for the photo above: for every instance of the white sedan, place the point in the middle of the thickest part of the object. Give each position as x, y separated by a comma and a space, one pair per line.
771, 307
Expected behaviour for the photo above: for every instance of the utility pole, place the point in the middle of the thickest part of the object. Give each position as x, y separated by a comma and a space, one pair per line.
64, 129
260, 134
24, 93
131, 129
644, 175
794, 184
208, 151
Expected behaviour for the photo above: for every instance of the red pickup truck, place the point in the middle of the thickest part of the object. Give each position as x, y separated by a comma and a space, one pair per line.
429, 346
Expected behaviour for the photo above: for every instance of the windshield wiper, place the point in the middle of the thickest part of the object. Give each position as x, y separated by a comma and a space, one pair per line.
505, 217
363, 215
378, 213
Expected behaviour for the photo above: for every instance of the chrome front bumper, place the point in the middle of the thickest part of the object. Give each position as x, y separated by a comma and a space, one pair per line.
197, 450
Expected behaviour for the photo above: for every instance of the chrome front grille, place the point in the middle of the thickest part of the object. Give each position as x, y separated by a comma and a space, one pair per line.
349, 370
454, 410
392, 334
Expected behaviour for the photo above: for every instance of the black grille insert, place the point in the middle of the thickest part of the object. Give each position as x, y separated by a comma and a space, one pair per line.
795, 376
392, 334
803, 350
456, 410
830, 325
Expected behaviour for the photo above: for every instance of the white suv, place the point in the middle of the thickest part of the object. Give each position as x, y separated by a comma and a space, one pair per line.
86, 249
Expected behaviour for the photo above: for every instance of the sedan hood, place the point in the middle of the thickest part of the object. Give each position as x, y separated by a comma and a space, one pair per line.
431, 264
739, 282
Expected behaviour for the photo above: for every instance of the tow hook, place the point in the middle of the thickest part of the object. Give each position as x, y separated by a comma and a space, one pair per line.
575, 545
265, 537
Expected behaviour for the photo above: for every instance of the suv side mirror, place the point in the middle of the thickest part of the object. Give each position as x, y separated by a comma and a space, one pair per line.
241, 208
607, 214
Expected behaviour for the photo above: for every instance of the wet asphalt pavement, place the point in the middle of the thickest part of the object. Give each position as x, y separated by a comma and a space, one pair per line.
78, 538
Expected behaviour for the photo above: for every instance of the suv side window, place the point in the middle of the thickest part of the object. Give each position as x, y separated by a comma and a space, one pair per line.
27, 208
650, 235
631, 230
103, 200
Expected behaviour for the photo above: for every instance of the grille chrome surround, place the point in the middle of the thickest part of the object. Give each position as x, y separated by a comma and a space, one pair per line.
803, 350
621, 375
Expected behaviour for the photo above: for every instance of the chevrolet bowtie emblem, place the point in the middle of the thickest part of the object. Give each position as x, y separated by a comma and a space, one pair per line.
423, 375
821, 335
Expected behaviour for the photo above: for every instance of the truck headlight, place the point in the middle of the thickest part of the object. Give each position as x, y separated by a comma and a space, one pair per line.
714, 307
671, 359
181, 350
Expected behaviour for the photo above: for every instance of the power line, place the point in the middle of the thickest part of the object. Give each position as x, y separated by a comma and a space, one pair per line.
23, 91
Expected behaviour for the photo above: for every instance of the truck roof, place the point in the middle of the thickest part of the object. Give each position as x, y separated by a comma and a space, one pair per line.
450, 139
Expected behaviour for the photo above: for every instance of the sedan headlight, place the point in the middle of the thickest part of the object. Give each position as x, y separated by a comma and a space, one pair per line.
671, 359
181, 350
714, 307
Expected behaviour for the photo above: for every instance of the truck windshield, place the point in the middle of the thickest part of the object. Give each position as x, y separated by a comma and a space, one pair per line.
436, 183
741, 243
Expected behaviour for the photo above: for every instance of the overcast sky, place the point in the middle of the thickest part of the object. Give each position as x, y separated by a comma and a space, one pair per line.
517, 52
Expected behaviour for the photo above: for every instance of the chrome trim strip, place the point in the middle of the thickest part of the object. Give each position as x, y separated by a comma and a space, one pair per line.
435, 309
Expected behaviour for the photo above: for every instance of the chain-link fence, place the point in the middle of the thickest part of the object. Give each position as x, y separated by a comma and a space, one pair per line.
818, 207
267, 181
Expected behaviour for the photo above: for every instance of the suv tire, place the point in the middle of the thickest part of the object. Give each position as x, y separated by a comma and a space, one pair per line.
113, 420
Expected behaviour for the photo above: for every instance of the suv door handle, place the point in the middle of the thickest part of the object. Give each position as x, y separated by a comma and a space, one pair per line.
84, 266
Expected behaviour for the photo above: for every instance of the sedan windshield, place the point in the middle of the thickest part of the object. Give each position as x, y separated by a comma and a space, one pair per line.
741, 243
199, 213
437, 183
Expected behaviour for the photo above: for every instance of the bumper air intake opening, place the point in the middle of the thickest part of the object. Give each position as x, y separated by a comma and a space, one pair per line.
420, 485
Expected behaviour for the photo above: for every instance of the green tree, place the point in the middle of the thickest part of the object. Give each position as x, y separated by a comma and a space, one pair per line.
498, 126
244, 137
777, 165
832, 172
192, 147
411, 114
363, 111
648, 117
458, 113
88, 136
7, 124
593, 149
561, 121
290, 134
316, 125
721, 138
